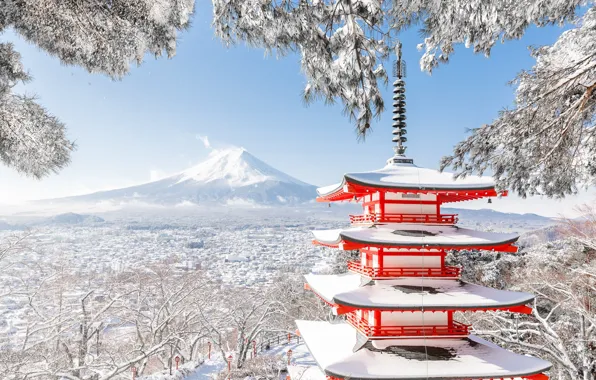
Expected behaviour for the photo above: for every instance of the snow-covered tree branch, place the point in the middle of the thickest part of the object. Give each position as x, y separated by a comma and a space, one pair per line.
343, 43
546, 143
562, 327
100, 36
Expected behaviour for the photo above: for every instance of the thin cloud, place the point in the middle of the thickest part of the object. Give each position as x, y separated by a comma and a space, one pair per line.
204, 140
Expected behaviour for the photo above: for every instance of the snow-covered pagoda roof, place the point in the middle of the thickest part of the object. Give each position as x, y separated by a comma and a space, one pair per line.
335, 348
351, 291
415, 236
402, 175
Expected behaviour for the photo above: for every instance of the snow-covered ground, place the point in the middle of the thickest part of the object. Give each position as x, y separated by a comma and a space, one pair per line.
210, 368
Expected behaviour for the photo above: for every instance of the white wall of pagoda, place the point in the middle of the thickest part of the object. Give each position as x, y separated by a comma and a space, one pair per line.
410, 262
400, 203
412, 203
416, 318
410, 197
398, 258
408, 318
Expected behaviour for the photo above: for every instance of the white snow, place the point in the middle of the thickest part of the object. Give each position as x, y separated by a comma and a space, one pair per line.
384, 234
301, 372
330, 189
346, 289
332, 345
236, 259
236, 167
209, 369
410, 176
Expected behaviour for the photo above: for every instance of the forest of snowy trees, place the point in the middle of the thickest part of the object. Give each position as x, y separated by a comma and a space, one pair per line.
83, 328
562, 275
78, 327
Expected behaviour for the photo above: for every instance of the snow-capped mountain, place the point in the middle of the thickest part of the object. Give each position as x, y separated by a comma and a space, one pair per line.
232, 176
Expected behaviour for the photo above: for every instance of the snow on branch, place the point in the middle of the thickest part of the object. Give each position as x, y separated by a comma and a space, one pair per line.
101, 36
546, 143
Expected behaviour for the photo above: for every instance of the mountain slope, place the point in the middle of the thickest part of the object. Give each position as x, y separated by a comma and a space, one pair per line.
227, 176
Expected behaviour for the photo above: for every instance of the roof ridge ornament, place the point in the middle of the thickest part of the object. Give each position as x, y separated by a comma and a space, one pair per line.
399, 111
399, 103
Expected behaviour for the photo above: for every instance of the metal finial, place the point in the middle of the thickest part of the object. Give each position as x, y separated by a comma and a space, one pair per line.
399, 103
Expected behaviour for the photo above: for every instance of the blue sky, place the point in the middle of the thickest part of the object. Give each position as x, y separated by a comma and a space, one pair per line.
146, 125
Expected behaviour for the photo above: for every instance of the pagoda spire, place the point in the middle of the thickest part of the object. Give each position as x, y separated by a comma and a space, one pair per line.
399, 103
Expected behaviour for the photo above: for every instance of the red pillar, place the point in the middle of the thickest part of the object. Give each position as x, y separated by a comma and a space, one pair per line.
377, 327
381, 257
229, 365
382, 204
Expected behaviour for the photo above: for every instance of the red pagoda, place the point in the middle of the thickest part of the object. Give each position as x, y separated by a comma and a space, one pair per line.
399, 298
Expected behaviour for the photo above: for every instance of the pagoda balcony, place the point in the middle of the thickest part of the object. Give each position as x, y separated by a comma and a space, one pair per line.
454, 329
388, 272
404, 218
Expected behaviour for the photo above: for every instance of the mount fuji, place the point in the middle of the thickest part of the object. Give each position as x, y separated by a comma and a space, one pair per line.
230, 176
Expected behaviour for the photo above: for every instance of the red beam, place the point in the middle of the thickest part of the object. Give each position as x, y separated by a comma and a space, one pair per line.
348, 246
538, 376
412, 252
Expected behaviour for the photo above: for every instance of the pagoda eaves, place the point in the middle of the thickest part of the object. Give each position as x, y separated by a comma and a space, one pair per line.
414, 293
403, 177
406, 235
341, 354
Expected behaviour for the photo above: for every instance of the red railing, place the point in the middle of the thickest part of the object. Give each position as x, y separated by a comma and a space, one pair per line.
448, 272
404, 218
456, 328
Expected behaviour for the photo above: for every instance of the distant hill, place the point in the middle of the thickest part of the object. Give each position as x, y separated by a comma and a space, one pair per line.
5, 226
486, 219
72, 218
488, 214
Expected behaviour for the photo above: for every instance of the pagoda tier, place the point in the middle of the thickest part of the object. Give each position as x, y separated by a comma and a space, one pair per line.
349, 292
402, 176
410, 307
341, 353
405, 235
